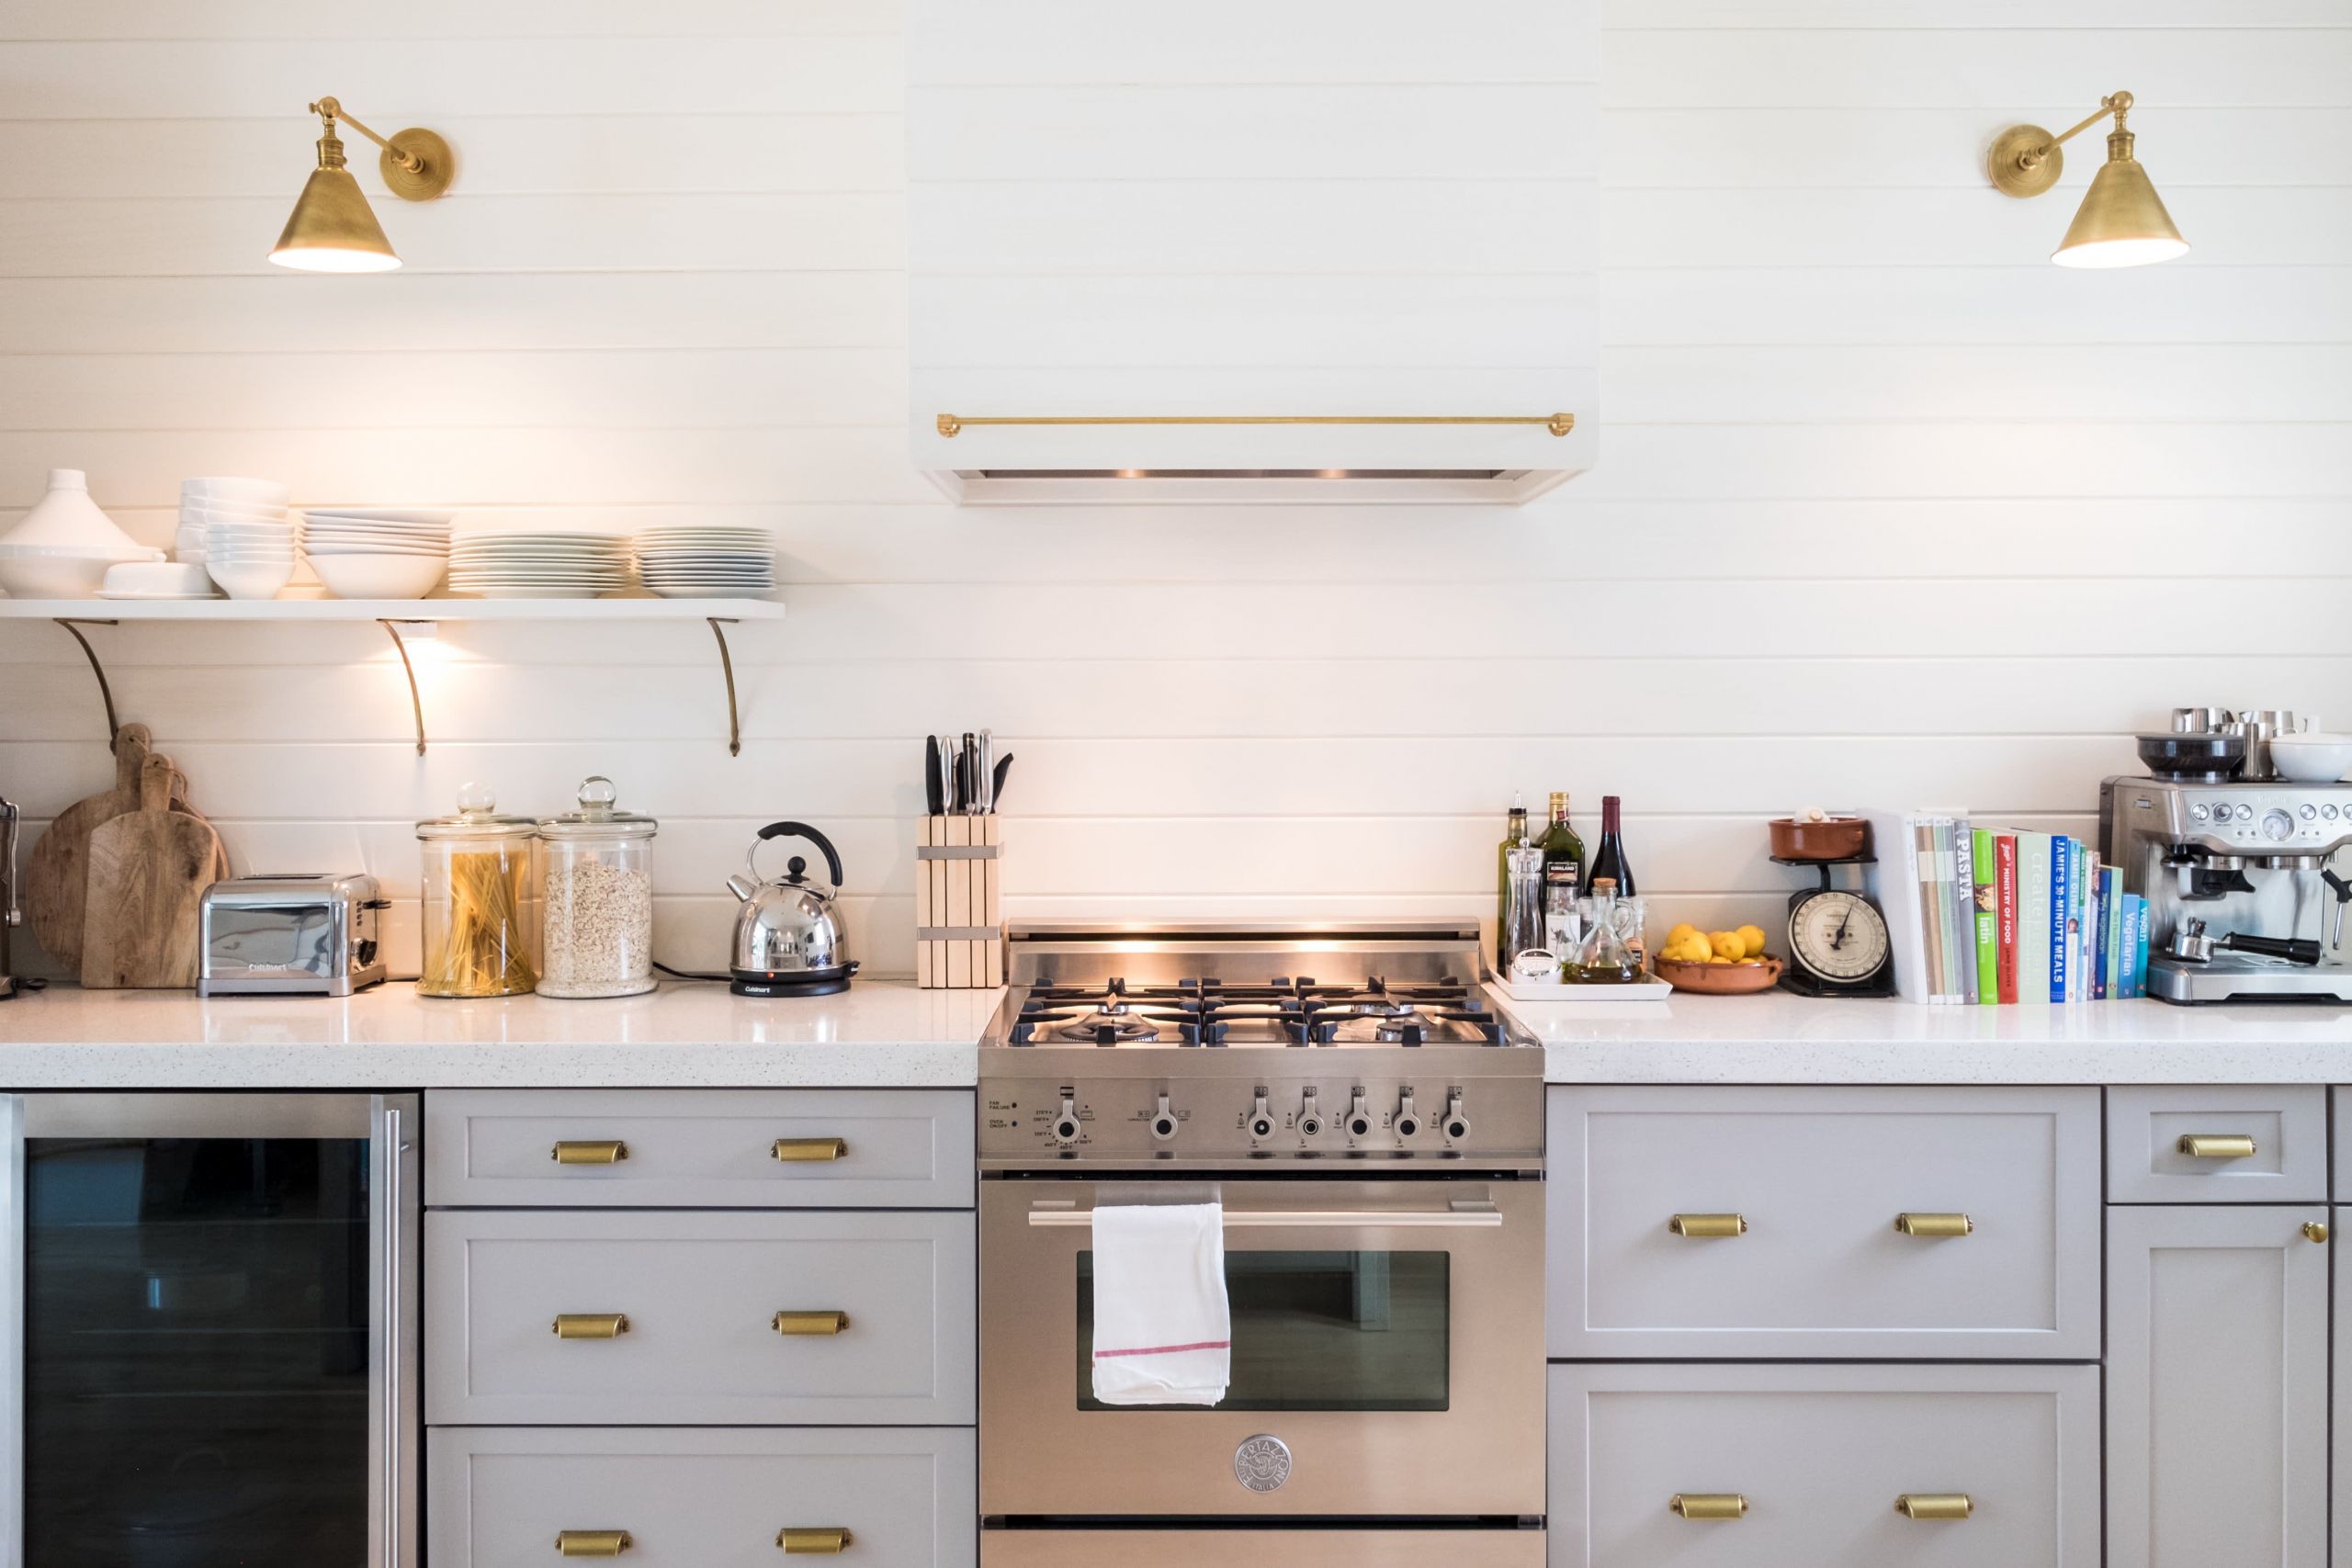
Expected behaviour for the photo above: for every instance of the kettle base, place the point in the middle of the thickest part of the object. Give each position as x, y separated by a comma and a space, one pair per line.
807, 983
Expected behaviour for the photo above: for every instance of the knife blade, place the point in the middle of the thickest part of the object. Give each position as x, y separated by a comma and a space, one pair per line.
996, 785
971, 773
984, 774
931, 776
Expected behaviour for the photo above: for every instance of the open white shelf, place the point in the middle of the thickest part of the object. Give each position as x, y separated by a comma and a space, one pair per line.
395, 613
391, 609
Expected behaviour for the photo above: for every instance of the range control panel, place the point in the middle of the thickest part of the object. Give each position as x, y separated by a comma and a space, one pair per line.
1340, 1115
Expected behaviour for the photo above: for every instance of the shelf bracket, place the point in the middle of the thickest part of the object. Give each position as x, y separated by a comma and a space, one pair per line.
415, 703
72, 625
726, 665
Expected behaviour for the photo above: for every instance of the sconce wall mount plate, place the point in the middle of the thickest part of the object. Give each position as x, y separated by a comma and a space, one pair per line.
2025, 160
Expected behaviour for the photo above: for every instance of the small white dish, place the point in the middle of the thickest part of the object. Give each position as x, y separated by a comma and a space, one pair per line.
250, 580
2311, 757
155, 579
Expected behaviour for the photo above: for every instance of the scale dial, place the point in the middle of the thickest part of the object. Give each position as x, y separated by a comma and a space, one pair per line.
1839, 937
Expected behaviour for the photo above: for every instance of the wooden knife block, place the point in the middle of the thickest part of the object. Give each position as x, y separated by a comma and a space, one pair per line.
959, 908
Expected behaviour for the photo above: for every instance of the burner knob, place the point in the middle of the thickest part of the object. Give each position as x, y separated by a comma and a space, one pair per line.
1457, 1126
1310, 1117
1359, 1117
1164, 1121
1065, 1127
1408, 1122
1261, 1120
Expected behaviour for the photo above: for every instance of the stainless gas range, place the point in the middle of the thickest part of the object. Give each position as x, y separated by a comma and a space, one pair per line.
1374, 1131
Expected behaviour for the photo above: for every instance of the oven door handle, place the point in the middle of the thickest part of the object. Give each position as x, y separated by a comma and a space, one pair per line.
1464, 1214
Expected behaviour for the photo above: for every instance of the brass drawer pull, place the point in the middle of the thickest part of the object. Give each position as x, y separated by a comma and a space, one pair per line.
607, 1151
591, 1325
2217, 1146
591, 1544
810, 1321
1709, 1505
1935, 1505
794, 1151
2315, 1231
1935, 1225
830, 1542
1708, 1225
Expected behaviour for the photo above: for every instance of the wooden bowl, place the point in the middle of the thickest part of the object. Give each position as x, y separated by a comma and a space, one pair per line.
1840, 838
1720, 979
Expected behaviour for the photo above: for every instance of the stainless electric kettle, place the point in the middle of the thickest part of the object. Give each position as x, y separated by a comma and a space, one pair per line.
789, 939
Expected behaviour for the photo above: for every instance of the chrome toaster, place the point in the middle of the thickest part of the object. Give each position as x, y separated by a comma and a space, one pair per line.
291, 935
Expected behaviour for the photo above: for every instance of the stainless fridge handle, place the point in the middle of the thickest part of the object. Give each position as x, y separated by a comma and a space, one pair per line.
1463, 1213
13, 1237
388, 1224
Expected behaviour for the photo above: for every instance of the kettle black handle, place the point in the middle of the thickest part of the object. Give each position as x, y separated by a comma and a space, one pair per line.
802, 831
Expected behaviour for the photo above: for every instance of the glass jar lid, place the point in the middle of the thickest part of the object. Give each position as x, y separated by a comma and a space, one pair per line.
477, 817
597, 817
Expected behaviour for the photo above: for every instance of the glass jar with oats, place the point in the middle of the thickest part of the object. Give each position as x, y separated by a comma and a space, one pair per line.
481, 895
597, 935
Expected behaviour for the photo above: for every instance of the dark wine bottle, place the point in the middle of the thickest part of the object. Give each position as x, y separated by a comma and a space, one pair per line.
1608, 857
1563, 851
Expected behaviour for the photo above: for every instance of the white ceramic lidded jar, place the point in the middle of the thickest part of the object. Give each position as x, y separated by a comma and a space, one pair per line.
480, 895
61, 549
597, 908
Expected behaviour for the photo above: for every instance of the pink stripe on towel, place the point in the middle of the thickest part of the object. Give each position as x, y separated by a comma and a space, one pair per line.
1168, 1350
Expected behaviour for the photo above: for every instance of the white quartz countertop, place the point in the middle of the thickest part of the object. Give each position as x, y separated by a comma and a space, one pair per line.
884, 1033
878, 1033
1774, 1037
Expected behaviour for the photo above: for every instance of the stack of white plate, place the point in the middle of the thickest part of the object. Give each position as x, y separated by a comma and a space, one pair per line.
706, 563
376, 552
498, 564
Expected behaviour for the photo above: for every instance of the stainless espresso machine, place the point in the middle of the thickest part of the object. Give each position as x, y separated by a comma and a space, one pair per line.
2246, 883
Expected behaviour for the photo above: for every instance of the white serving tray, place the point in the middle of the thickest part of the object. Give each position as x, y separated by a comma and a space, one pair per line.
1650, 990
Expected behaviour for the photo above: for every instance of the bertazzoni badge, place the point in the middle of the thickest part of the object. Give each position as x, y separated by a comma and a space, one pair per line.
1262, 1463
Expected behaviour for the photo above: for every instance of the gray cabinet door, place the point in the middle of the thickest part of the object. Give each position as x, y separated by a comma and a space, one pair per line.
639, 1316
1659, 1465
2217, 1143
687, 1148
1769, 1222
503, 1496
2216, 1387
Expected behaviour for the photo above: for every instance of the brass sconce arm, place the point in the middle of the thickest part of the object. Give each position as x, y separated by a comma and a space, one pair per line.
2117, 104
329, 111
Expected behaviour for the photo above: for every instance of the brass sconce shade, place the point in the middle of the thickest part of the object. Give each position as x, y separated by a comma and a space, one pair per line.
2121, 222
333, 229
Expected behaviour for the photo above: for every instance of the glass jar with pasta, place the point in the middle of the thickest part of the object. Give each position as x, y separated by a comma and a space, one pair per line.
481, 893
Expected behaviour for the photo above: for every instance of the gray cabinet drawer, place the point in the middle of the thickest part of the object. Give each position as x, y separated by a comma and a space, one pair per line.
688, 1499
2217, 1143
1812, 1185
700, 1295
699, 1148
1812, 1460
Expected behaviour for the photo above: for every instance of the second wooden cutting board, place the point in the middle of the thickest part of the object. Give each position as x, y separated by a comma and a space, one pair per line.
149, 869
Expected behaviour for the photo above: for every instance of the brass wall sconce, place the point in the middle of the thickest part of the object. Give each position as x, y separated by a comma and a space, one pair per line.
333, 228
2122, 222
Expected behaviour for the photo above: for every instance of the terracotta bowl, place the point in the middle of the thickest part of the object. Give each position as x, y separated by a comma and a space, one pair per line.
1837, 838
1719, 979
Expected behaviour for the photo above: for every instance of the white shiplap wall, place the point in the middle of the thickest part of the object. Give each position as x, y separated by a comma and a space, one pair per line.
1889, 510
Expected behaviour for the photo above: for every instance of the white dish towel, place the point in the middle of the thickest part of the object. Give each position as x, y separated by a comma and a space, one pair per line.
1164, 1332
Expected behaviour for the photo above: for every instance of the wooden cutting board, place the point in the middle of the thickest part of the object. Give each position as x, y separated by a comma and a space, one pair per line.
59, 870
149, 869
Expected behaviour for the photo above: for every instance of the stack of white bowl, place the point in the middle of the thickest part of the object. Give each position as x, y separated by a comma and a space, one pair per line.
240, 530
376, 552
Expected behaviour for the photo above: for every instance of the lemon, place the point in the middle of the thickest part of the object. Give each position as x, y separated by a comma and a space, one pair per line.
1752, 938
1727, 945
1682, 933
1719, 958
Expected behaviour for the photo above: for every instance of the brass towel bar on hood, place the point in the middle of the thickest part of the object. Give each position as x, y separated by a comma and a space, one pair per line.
952, 424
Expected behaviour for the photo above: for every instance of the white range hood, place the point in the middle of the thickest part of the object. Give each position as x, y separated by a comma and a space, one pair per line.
1305, 251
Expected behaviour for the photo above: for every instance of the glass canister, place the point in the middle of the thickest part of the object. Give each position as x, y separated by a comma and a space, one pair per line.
480, 899
596, 919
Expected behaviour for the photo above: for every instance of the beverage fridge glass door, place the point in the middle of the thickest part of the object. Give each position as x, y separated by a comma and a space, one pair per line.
209, 1320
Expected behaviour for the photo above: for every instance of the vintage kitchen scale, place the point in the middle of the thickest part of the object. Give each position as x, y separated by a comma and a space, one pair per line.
1839, 944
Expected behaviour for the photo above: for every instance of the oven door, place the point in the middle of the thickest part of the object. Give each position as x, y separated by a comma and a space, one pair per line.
1388, 1333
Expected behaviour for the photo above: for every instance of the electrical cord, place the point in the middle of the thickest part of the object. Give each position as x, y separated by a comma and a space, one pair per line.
690, 974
